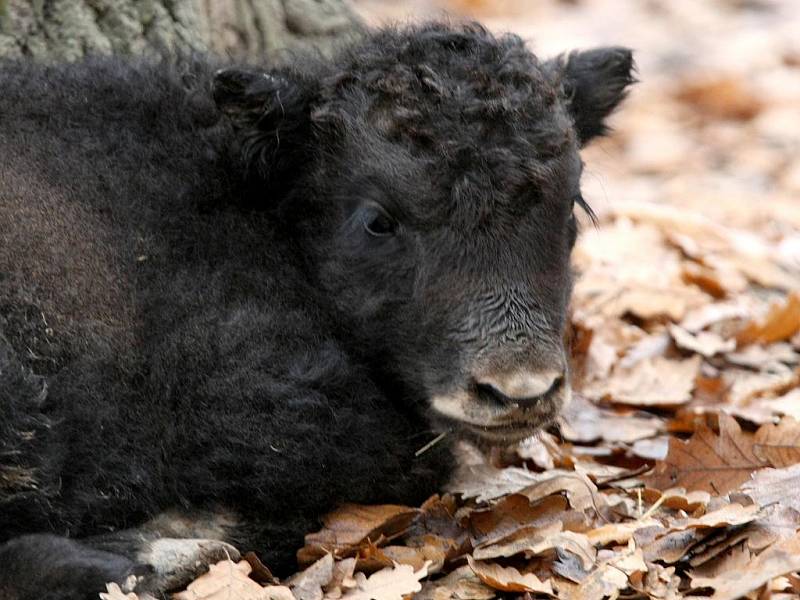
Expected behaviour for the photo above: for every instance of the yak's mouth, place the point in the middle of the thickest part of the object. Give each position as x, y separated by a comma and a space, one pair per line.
473, 413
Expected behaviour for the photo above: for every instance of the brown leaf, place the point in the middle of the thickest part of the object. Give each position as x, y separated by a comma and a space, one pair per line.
721, 97
704, 343
620, 533
729, 515
351, 525
508, 579
308, 584
389, 584
778, 560
780, 323
227, 579
775, 486
713, 463
461, 584
657, 381
778, 444
611, 576
515, 516
582, 421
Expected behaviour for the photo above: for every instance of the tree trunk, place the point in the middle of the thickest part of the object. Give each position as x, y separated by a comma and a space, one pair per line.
255, 29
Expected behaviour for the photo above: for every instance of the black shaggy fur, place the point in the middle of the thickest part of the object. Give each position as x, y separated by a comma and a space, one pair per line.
238, 292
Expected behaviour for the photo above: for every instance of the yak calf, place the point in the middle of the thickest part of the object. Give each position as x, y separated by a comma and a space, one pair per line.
232, 299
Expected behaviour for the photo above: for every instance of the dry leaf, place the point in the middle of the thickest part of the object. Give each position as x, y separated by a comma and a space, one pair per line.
621, 533
704, 343
508, 579
584, 422
308, 584
775, 486
781, 559
780, 323
351, 525
778, 444
461, 584
388, 584
721, 97
612, 575
654, 382
713, 463
226, 580
729, 515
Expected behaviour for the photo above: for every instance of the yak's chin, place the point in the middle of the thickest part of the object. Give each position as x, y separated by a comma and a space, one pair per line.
469, 415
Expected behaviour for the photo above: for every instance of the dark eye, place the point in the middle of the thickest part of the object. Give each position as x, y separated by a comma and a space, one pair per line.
377, 223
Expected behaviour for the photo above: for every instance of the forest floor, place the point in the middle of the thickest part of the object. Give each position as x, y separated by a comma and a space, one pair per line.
675, 472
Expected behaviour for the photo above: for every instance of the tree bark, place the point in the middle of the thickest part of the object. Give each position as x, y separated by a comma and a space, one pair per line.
254, 29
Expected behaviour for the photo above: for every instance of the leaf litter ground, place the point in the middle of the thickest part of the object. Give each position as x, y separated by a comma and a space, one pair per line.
675, 472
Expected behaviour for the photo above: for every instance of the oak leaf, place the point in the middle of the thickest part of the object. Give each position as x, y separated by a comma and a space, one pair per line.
778, 444
227, 579
715, 463
352, 525
392, 583
778, 560
775, 486
460, 584
781, 323
308, 584
508, 579
655, 381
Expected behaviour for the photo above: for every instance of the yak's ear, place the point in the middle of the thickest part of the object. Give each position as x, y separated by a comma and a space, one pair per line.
270, 112
595, 82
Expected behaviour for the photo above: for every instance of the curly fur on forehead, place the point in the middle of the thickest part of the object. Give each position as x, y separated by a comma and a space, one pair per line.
480, 113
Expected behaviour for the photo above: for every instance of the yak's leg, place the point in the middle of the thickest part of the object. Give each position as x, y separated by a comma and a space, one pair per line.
162, 555
172, 549
49, 567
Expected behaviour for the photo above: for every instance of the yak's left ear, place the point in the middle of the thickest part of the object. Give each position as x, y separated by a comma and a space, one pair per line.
270, 112
595, 82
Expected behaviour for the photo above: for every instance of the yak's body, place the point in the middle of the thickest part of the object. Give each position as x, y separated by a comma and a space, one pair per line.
242, 307
132, 271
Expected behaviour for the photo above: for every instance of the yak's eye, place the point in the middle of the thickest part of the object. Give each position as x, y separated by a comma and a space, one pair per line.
377, 223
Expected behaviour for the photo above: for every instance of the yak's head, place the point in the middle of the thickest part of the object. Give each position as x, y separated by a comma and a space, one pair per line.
431, 177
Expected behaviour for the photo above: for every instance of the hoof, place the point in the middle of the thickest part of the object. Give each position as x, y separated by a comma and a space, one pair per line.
173, 563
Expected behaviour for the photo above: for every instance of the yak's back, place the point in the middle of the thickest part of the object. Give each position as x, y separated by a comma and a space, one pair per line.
99, 159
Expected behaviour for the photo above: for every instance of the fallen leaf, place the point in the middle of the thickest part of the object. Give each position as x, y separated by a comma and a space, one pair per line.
781, 323
389, 584
227, 579
778, 444
712, 314
730, 515
612, 575
654, 382
723, 97
308, 584
621, 533
508, 579
713, 463
460, 584
704, 343
781, 559
582, 421
351, 525
775, 486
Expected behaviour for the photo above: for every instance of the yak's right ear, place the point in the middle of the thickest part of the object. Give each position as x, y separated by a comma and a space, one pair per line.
270, 112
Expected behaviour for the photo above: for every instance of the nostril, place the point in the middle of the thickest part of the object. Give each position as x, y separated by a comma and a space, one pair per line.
521, 389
